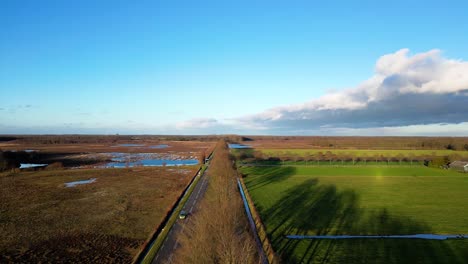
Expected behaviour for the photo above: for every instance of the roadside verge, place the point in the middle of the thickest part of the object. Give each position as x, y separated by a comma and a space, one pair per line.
259, 228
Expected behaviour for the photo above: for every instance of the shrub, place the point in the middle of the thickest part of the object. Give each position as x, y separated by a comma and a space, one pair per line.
55, 166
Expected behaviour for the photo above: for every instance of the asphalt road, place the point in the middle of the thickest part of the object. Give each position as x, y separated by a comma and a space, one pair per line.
171, 243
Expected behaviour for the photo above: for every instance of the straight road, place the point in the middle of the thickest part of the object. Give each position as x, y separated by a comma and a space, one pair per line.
171, 243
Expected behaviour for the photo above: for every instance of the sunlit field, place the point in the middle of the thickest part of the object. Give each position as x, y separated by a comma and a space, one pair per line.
366, 201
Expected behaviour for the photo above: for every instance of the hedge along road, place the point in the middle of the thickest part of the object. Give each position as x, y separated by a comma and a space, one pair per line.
170, 244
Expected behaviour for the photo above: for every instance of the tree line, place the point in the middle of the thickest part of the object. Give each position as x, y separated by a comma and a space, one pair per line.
3, 162
452, 143
218, 231
109, 139
253, 156
11, 160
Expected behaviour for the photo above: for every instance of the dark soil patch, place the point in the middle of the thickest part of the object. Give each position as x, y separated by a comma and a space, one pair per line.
79, 248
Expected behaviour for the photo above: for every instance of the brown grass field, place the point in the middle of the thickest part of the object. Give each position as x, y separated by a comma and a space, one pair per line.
94, 151
107, 221
174, 146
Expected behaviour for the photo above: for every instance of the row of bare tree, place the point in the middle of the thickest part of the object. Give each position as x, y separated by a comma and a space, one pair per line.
218, 231
341, 157
454, 143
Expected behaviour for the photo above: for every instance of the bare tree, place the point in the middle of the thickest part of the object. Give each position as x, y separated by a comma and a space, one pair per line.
219, 233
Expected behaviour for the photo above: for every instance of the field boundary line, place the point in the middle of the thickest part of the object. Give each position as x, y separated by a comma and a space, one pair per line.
259, 228
414, 236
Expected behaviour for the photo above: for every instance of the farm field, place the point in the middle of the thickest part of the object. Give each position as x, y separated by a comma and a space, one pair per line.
105, 221
361, 200
368, 152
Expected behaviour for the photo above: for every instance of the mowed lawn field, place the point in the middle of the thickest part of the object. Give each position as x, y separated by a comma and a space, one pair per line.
107, 221
366, 201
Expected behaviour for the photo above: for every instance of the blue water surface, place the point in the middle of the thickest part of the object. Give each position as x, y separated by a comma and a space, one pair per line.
74, 183
239, 146
162, 146
152, 162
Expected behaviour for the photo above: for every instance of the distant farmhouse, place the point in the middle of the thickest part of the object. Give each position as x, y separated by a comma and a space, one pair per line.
459, 165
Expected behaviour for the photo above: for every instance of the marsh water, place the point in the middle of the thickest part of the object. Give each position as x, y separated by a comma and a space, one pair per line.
152, 162
162, 146
123, 160
239, 146
75, 183
31, 165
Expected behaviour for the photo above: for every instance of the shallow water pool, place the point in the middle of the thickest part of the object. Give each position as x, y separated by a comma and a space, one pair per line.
75, 183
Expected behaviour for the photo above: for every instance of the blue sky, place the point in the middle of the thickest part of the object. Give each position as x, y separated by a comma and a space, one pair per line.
183, 67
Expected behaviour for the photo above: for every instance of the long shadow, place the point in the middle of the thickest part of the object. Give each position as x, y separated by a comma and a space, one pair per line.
267, 175
309, 207
14, 159
313, 208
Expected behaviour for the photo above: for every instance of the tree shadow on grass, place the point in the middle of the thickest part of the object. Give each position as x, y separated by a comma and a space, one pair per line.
311, 208
267, 175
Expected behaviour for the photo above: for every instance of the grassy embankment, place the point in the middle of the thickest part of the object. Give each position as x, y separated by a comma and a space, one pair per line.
362, 200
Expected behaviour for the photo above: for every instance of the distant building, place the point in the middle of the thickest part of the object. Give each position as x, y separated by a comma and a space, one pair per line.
459, 165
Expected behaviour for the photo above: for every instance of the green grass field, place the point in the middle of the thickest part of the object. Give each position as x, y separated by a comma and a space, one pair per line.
369, 152
335, 163
362, 200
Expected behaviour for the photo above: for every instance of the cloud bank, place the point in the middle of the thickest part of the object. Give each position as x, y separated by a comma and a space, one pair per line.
423, 94
405, 90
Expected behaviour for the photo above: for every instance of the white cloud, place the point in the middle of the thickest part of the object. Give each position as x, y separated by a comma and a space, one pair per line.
460, 129
197, 123
425, 72
405, 90
420, 94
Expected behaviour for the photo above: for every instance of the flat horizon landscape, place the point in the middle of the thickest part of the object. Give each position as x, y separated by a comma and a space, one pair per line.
295, 191
243, 132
